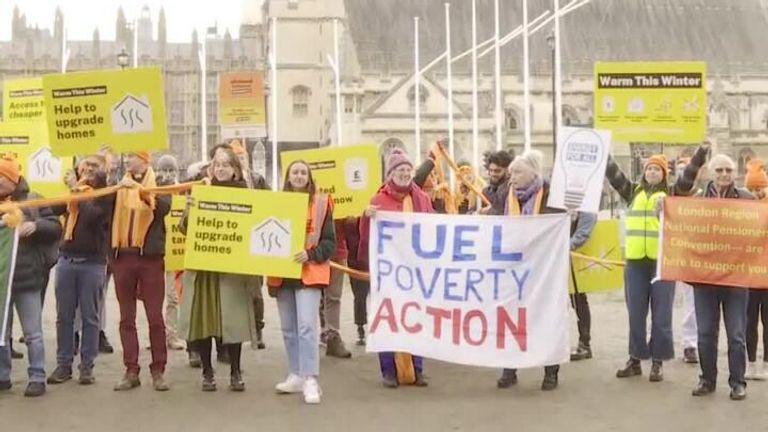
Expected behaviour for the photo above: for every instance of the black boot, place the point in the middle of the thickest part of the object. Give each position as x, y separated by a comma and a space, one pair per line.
582, 352
235, 376
14, 354
508, 378
632, 368
360, 335
550, 378
657, 373
209, 381
259, 340
258, 312
104, 346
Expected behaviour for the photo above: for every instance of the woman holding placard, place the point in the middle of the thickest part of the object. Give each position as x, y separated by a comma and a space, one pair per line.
400, 193
642, 293
526, 194
218, 305
298, 300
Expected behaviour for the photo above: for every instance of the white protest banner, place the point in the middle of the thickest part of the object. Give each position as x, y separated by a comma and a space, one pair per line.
475, 290
577, 178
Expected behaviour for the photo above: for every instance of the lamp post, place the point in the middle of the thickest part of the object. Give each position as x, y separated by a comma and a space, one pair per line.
123, 59
551, 43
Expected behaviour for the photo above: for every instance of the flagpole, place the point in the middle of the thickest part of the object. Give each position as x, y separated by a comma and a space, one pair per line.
64, 49
449, 71
135, 43
475, 122
273, 96
417, 88
497, 77
337, 72
203, 98
526, 79
558, 96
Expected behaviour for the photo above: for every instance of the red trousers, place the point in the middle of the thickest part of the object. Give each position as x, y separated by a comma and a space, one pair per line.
141, 278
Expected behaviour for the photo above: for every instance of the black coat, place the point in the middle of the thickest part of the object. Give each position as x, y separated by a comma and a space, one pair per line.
31, 271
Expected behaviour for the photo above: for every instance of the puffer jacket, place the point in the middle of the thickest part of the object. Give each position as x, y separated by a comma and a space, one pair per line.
31, 269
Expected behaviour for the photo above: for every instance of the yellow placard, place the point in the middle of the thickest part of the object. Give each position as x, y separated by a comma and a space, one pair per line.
351, 174
663, 102
591, 276
246, 231
43, 171
174, 238
242, 110
124, 109
23, 100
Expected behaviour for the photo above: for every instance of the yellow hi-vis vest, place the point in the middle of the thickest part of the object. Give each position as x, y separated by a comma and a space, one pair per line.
642, 226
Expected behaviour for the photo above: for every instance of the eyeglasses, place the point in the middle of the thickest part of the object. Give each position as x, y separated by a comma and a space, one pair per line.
724, 170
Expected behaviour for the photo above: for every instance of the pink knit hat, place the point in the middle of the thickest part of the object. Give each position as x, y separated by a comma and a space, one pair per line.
396, 158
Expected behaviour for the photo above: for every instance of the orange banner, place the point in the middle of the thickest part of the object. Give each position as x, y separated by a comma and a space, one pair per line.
715, 241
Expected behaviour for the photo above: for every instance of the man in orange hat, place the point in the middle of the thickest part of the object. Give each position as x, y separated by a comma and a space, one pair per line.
39, 229
138, 245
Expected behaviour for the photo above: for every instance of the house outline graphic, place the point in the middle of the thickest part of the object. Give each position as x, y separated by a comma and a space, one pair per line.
131, 115
49, 171
271, 230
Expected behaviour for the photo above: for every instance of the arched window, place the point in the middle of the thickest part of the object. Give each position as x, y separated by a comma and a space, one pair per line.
510, 119
423, 95
569, 117
259, 159
300, 95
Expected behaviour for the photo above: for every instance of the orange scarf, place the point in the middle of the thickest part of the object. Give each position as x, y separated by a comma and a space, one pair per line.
134, 213
73, 211
514, 206
406, 372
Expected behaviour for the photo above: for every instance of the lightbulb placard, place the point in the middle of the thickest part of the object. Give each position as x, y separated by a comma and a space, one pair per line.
577, 178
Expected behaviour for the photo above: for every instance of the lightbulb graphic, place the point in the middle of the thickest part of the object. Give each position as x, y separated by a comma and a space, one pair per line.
582, 154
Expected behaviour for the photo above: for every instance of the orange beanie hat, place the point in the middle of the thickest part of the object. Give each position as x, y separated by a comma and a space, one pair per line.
756, 177
660, 161
10, 168
143, 155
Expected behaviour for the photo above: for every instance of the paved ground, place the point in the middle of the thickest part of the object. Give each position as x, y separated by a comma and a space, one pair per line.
590, 398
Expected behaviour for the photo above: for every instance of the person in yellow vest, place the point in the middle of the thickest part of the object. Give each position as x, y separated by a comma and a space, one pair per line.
526, 194
298, 300
642, 291
218, 305
400, 193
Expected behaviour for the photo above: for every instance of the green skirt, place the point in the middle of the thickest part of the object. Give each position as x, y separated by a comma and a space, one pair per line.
205, 321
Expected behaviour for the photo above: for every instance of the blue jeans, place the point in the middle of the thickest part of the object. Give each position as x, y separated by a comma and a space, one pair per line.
30, 309
78, 283
709, 299
298, 310
642, 295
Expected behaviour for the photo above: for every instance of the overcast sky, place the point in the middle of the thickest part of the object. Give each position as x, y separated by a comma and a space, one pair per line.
182, 16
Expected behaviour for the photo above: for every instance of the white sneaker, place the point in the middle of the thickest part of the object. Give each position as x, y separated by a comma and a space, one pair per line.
312, 391
292, 384
752, 372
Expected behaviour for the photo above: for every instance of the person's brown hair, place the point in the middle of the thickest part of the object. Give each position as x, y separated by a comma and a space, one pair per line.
288, 187
233, 160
